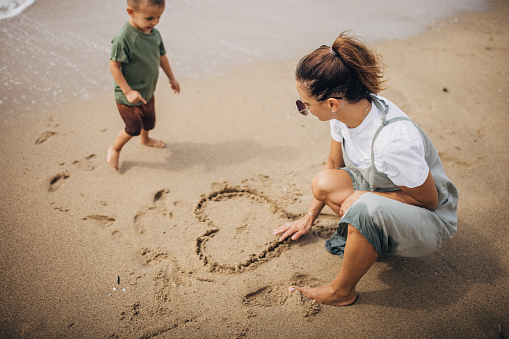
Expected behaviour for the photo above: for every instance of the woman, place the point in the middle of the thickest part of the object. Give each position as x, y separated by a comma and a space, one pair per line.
383, 176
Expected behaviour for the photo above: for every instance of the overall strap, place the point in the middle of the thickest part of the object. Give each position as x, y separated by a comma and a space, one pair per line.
384, 108
380, 129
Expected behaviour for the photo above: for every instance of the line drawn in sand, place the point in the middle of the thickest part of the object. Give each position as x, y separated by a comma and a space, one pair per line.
239, 236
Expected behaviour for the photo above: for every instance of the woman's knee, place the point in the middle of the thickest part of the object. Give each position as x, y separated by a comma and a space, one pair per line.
330, 181
320, 185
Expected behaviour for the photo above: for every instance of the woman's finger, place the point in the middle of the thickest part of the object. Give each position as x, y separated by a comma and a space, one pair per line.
297, 235
281, 228
286, 235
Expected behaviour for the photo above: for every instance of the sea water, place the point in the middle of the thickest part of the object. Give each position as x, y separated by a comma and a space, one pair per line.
10, 8
57, 49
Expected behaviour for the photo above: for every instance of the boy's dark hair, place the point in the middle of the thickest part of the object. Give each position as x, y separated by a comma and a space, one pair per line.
135, 4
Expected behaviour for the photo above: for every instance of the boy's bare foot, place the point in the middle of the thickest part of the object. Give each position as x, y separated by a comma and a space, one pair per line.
154, 143
112, 158
325, 295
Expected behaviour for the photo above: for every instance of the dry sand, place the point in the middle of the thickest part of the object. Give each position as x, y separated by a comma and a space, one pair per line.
179, 242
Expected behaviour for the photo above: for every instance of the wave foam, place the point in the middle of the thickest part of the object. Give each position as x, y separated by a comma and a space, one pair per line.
10, 8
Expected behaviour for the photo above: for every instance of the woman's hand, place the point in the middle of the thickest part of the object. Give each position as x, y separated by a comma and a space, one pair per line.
298, 228
349, 202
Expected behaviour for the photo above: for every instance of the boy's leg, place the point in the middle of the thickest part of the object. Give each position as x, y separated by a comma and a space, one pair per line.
147, 141
114, 151
149, 120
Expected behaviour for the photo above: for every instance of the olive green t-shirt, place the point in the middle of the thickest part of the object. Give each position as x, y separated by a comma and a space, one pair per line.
140, 55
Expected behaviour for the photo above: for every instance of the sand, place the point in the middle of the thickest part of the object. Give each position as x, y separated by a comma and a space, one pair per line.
178, 242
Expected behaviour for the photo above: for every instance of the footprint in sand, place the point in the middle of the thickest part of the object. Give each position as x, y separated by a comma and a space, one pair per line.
57, 180
240, 222
86, 165
270, 296
167, 279
102, 221
121, 238
161, 277
153, 218
468, 164
297, 301
302, 305
44, 137
48, 134
267, 296
304, 280
153, 256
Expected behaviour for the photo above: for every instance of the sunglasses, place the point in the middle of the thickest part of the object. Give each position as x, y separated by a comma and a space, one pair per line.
304, 109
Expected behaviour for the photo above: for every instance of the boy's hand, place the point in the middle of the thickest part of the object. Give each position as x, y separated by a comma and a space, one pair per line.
134, 97
175, 86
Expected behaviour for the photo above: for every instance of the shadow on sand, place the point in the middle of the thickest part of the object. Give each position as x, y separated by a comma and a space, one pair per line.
183, 156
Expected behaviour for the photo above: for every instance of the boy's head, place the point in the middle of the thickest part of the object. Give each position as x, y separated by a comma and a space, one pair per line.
145, 14
136, 4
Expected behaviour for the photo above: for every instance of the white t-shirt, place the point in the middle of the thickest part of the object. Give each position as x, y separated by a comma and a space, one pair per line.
399, 149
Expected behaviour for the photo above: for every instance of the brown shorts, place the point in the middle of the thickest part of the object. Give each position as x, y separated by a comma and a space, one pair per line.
138, 117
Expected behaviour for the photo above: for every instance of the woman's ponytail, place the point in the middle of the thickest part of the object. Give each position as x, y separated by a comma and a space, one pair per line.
347, 68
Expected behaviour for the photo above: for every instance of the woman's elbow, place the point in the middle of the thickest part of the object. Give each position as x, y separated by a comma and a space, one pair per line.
431, 203
429, 193
432, 206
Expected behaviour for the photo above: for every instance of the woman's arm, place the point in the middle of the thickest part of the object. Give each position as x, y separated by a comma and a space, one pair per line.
335, 159
302, 226
425, 195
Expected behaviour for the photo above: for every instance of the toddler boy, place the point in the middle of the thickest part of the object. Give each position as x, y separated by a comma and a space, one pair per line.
137, 52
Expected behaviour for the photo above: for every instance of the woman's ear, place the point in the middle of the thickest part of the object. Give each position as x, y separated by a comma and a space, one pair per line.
334, 104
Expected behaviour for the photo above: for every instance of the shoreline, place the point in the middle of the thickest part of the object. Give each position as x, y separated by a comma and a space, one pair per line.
75, 233
42, 68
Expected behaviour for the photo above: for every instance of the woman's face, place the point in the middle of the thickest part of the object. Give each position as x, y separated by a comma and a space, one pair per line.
321, 110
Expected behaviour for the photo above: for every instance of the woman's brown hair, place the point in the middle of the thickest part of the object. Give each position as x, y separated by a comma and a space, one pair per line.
348, 69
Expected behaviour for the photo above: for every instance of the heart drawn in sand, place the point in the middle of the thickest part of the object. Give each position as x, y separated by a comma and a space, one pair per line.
239, 235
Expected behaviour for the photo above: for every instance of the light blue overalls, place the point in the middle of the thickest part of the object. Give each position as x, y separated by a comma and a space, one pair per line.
391, 226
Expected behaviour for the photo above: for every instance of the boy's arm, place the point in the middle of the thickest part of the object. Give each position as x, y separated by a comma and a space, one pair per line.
132, 96
165, 65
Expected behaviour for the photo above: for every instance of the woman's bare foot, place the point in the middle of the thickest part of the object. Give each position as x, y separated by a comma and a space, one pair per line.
112, 157
153, 143
325, 295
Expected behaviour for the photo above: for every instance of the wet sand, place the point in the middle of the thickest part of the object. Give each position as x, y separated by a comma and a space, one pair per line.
178, 242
